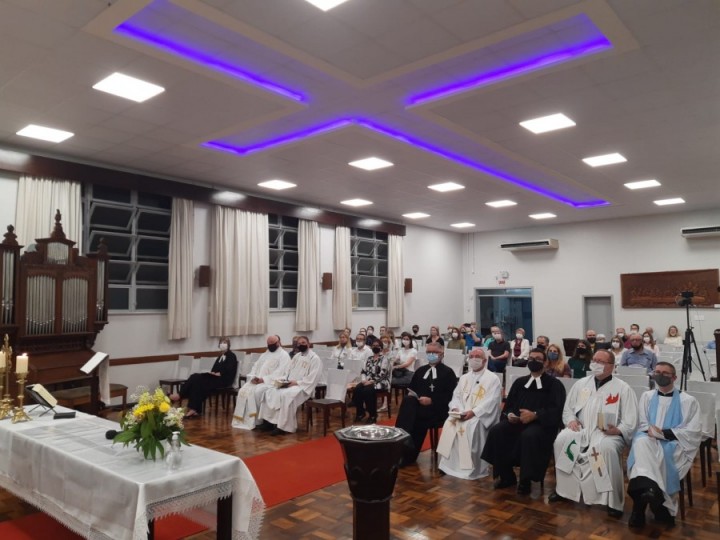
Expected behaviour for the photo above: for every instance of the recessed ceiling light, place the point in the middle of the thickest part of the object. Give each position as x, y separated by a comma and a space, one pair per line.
447, 186
416, 215
356, 202
547, 123
641, 184
606, 159
501, 204
543, 215
371, 163
44, 133
665, 202
276, 184
463, 225
326, 5
128, 87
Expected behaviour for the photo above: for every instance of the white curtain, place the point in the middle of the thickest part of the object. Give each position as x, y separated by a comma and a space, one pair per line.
37, 201
342, 288
308, 293
396, 282
239, 268
180, 280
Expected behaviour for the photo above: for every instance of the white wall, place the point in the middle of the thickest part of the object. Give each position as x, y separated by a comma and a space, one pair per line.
590, 259
8, 200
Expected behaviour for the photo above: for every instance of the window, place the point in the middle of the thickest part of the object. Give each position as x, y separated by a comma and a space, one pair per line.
136, 229
283, 239
369, 257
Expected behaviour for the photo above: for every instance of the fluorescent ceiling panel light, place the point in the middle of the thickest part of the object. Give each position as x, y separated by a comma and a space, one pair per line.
128, 87
606, 159
326, 5
44, 133
416, 215
501, 204
547, 123
370, 164
356, 202
543, 215
666, 202
446, 186
642, 184
277, 184
463, 225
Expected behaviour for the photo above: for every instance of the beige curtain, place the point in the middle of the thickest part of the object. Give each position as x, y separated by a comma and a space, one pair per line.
342, 288
37, 201
396, 282
239, 263
180, 281
308, 294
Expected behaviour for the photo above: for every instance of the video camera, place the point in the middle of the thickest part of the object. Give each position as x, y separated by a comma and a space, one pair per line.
684, 298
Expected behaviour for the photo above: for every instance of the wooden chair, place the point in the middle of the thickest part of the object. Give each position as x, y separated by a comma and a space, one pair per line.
336, 393
223, 394
73, 398
182, 372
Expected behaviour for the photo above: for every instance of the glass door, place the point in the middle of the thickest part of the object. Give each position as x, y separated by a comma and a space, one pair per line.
507, 308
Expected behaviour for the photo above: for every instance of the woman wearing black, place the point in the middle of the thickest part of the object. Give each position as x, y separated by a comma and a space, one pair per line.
374, 376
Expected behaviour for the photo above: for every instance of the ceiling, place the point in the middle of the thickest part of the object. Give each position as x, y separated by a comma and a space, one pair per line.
277, 89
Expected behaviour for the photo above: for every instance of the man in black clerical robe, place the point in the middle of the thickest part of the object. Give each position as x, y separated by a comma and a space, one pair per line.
529, 423
426, 404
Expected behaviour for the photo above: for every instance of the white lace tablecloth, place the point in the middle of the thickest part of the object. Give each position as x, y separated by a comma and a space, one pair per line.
68, 469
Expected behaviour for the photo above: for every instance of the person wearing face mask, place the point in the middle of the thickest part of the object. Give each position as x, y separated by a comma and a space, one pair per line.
435, 336
341, 351
556, 365
620, 332
257, 383
426, 404
361, 351
542, 342
579, 362
370, 335
199, 385
600, 418
663, 449
638, 356
529, 422
649, 343
617, 347
673, 337
591, 338
416, 333
404, 365
520, 349
294, 383
457, 340
374, 376
474, 409
499, 351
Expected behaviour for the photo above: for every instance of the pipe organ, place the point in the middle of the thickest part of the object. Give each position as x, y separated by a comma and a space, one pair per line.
53, 305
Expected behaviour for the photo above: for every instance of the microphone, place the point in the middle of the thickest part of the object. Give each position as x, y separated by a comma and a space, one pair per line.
110, 434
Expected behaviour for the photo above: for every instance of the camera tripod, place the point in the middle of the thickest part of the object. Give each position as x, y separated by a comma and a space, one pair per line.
687, 360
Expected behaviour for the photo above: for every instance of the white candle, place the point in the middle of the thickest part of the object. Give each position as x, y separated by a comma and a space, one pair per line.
2, 360
21, 364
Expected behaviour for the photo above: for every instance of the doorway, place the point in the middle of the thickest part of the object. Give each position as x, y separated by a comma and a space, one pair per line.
598, 315
509, 309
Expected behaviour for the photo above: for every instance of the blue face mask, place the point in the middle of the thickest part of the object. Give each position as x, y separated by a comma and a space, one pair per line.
433, 358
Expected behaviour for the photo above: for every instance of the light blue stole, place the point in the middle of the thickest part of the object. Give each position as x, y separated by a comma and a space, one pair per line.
673, 418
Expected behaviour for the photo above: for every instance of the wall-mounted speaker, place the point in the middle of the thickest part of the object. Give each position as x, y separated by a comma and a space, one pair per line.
327, 281
203, 276
408, 285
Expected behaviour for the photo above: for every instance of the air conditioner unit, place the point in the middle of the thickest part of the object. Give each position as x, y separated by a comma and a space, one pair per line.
550, 243
697, 232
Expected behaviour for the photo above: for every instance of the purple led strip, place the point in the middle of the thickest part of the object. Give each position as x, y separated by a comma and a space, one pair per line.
513, 70
194, 55
398, 136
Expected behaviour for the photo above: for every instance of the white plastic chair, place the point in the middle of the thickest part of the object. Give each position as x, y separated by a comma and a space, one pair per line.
512, 373
456, 362
639, 391
636, 380
708, 409
629, 370
568, 383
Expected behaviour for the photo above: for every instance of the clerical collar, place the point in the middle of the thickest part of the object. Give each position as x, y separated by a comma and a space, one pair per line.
599, 383
669, 394
538, 382
432, 371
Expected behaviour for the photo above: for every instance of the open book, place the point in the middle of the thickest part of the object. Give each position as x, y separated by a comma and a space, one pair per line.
41, 395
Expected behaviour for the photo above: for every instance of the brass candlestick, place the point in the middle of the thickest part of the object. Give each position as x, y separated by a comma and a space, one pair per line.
6, 404
19, 414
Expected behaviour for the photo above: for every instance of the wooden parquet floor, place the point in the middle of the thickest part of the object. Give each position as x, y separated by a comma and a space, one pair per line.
431, 507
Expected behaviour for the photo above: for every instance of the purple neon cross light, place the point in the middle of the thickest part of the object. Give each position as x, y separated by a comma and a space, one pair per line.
536, 60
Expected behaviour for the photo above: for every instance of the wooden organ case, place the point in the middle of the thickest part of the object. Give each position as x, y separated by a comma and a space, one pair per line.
53, 307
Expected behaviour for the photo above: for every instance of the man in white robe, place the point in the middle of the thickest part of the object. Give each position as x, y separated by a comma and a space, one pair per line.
294, 383
664, 447
474, 409
258, 381
600, 416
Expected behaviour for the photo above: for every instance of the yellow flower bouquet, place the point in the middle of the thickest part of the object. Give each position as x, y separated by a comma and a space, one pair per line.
150, 422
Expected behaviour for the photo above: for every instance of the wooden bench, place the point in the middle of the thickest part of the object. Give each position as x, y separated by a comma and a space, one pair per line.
76, 397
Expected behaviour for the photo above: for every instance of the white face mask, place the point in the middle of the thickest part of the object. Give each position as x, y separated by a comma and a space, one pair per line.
497, 336
597, 368
616, 344
519, 336
406, 342
455, 335
360, 344
646, 339
223, 347
476, 364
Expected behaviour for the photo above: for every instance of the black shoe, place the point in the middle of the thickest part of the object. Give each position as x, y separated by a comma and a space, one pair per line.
502, 483
653, 496
524, 487
555, 497
614, 513
265, 426
637, 519
359, 417
371, 420
662, 515
277, 431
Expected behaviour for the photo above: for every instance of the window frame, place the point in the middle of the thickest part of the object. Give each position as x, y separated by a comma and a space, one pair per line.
281, 269
376, 276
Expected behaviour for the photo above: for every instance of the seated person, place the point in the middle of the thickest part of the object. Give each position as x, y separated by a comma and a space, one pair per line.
520, 349
374, 376
456, 339
638, 355
341, 352
579, 362
404, 362
199, 385
295, 383
362, 350
556, 365
476, 404
258, 381
600, 417
673, 337
527, 428
426, 404
663, 449
435, 336
499, 350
